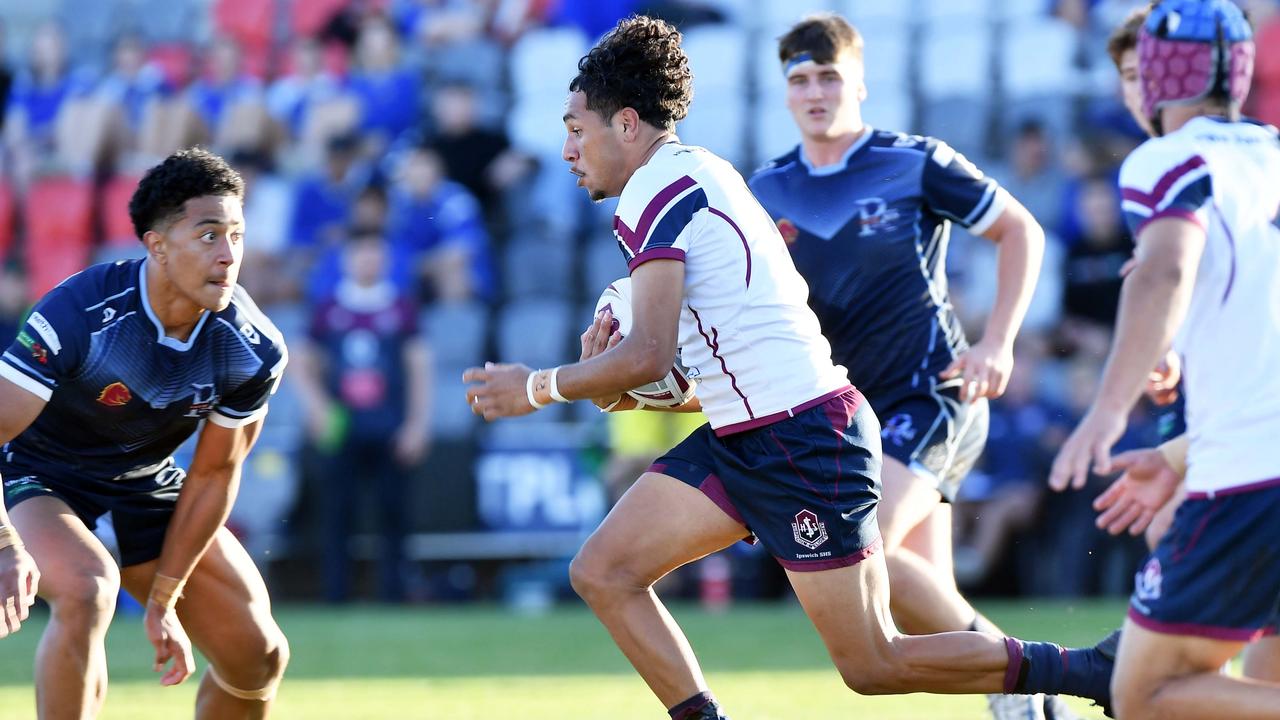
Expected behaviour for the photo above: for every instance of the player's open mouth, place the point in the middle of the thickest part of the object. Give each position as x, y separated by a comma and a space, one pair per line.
220, 283
579, 174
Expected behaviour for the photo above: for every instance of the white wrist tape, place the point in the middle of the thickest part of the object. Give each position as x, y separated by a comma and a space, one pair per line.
528, 391
9, 537
554, 387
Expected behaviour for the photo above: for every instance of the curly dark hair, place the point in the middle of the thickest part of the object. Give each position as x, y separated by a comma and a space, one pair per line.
191, 173
639, 64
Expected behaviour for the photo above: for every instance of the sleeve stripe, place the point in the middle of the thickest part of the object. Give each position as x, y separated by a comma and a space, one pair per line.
999, 201
988, 196
1153, 198
20, 379
661, 253
660, 201
222, 420
1172, 212
676, 219
32, 374
1137, 208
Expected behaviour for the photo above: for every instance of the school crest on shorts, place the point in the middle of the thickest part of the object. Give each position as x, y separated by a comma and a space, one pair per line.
1146, 585
808, 530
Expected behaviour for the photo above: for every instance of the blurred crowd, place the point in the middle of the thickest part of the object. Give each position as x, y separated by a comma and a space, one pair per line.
408, 214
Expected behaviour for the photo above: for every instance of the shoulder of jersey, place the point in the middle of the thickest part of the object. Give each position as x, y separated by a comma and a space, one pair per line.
780, 163
1157, 155
246, 318
902, 141
90, 287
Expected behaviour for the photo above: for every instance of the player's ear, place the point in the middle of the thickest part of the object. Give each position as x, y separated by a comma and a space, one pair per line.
155, 243
630, 122
862, 91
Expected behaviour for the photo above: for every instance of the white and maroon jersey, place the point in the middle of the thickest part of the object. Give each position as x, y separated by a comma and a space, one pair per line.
746, 331
1225, 177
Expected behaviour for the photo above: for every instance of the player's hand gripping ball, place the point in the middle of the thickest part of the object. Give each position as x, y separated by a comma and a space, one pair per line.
674, 390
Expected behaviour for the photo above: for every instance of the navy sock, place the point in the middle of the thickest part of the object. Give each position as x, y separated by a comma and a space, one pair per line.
701, 705
1054, 670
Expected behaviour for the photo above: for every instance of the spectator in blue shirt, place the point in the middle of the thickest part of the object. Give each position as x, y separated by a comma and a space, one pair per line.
389, 92
438, 226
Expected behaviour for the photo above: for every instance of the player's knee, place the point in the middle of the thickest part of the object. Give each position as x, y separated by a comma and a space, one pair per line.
262, 662
88, 598
596, 578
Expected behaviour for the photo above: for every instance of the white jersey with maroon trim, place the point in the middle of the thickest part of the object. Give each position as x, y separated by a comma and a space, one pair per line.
746, 331
1222, 176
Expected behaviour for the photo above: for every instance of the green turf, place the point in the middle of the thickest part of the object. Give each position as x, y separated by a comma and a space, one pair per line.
764, 661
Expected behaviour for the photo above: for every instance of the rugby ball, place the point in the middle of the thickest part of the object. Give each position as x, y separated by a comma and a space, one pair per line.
671, 391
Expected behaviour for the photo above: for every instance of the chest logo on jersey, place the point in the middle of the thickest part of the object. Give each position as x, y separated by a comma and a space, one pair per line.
108, 314
115, 395
875, 215
250, 334
203, 398
808, 530
788, 230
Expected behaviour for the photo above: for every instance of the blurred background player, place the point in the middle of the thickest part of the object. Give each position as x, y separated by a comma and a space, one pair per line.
1204, 215
1124, 506
134, 356
867, 216
803, 478
365, 381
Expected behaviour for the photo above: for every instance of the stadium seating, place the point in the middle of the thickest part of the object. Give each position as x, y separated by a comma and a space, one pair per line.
536, 267
543, 60
113, 208
308, 17
59, 223
602, 264
536, 332
6, 220
251, 22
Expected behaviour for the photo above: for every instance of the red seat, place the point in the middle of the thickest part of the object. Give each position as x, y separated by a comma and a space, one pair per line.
308, 17
175, 61
59, 226
251, 22
6, 220
117, 226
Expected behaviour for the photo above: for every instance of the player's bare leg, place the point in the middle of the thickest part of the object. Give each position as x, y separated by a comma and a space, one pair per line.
925, 598
1176, 677
658, 525
1262, 659
226, 611
850, 608
79, 580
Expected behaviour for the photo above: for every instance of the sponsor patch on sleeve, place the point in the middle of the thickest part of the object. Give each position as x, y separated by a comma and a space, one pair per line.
45, 331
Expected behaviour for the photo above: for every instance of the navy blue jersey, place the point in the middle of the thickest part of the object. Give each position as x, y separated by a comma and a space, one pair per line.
122, 396
870, 236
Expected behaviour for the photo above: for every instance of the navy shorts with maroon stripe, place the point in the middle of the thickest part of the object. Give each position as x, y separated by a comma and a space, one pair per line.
806, 486
1216, 572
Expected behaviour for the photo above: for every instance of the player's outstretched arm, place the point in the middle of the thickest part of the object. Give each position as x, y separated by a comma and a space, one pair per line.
19, 577
1153, 303
644, 356
985, 367
203, 506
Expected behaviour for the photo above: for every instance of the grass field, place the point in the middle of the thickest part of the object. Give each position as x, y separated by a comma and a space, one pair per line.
765, 662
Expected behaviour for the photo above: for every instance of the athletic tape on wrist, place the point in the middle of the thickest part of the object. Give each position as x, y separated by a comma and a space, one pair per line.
528, 391
554, 387
165, 591
9, 537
